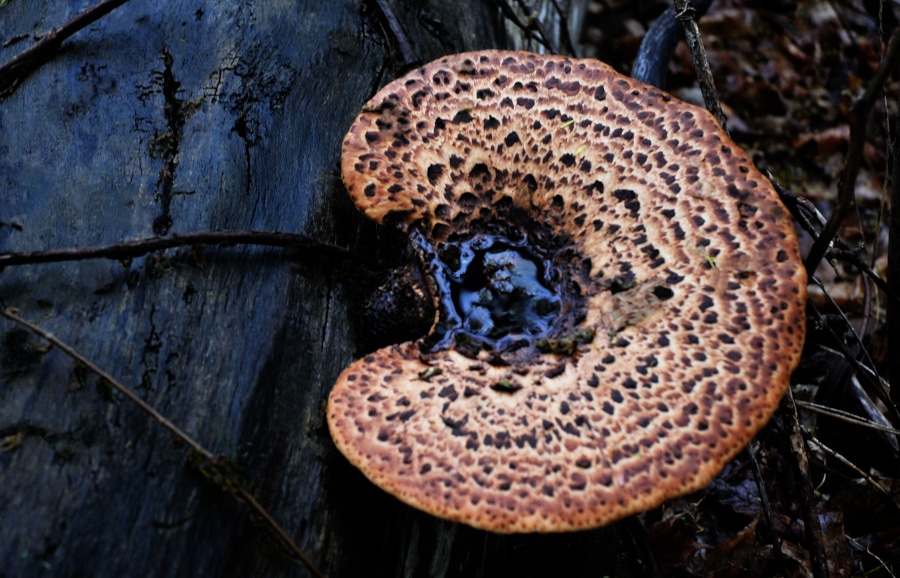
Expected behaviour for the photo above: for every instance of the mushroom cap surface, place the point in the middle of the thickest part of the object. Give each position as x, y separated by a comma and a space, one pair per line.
682, 262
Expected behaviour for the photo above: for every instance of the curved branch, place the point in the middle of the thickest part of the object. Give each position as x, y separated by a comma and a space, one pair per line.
847, 182
407, 53
131, 249
686, 13
652, 62
205, 461
14, 70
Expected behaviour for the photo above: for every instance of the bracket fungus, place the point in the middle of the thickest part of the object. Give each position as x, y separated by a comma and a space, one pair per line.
619, 294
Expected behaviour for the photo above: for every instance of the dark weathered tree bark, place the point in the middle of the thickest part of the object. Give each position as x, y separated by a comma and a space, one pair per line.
174, 117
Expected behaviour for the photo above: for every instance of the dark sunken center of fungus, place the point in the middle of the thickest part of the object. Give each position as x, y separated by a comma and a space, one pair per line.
498, 289
496, 293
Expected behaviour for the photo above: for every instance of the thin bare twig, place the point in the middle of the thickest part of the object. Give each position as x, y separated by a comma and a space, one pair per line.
812, 221
685, 12
194, 446
770, 534
893, 277
14, 70
636, 533
248, 497
844, 416
853, 257
878, 384
822, 447
815, 538
147, 408
801, 208
882, 564
528, 27
407, 53
536, 23
847, 323
652, 62
847, 181
131, 249
564, 28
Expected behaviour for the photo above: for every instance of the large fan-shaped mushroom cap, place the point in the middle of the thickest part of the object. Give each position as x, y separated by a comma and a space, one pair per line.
679, 312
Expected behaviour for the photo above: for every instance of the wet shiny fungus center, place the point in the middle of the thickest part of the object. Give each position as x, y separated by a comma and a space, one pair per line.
496, 292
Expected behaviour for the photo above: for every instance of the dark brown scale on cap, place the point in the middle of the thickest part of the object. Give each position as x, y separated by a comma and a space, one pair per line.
683, 268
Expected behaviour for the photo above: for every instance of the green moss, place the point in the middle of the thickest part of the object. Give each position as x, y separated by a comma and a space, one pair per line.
506, 386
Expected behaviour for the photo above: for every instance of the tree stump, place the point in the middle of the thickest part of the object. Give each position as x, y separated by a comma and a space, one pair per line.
175, 117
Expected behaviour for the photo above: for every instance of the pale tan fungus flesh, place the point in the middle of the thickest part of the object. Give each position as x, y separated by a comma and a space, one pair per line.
686, 364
